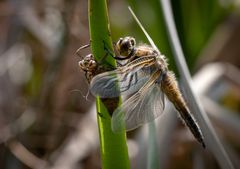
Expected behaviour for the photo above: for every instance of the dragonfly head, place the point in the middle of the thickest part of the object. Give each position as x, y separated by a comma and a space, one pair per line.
125, 46
88, 63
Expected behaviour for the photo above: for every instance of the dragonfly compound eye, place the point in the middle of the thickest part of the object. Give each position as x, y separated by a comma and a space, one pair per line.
125, 46
132, 41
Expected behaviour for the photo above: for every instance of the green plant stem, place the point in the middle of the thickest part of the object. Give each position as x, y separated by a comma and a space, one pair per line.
114, 153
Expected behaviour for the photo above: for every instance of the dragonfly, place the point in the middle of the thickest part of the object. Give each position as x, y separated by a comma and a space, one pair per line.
146, 80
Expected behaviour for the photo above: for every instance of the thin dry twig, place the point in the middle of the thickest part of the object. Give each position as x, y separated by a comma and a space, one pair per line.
25, 156
18, 126
79, 145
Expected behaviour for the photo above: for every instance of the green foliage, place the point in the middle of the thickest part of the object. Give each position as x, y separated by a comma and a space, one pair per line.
195, 21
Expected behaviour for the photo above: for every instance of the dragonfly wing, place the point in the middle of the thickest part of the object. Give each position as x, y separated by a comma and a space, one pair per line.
124, 80
144, 106
105, 85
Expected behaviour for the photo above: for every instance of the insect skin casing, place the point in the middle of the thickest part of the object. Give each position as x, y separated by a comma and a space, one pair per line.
89, 66
170, 88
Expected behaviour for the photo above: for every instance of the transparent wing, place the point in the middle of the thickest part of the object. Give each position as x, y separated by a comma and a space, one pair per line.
144, 106
124, 80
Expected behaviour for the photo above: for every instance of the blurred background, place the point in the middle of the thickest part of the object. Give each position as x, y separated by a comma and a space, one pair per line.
47, 115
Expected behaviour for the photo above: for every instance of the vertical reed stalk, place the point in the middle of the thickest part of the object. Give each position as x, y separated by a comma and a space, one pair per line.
114, 153
211, 139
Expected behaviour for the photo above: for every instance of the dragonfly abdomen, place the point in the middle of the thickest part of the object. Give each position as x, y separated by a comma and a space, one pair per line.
170, 87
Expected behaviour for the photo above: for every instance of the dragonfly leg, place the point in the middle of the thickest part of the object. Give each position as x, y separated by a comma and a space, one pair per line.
101, 115
120, 64
163, 74
108, 65
136, 78
131, 81
106, 49
81, 48
125, 77
108, 52
129, 84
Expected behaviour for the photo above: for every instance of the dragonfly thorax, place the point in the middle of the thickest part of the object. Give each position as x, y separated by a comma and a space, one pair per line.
161, 63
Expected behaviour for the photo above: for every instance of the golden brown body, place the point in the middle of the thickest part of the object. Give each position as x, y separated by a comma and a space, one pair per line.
170, 87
